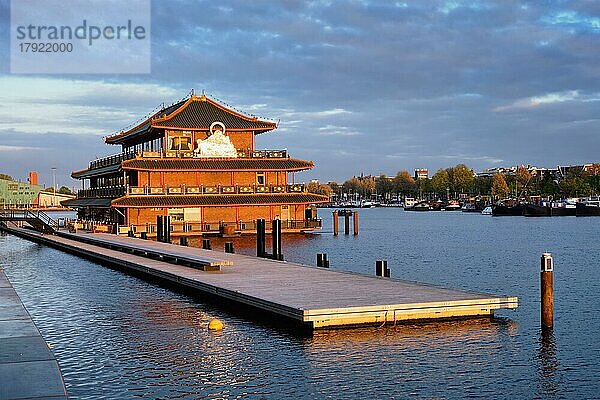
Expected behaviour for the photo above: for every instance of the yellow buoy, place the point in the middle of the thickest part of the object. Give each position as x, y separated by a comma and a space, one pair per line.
215, 325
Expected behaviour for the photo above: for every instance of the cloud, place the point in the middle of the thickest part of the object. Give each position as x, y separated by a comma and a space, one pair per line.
334, 130
548, 98
16, 148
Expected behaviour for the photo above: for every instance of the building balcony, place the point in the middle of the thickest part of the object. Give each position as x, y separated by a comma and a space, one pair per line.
106, 191
240, 154
219, 189
115, 159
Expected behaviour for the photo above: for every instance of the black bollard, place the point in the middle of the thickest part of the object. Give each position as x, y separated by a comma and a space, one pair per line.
183, 241
229, 247
144, 235
167, 220
381, 268
260, 238
206, 244
276, 233
130, 233
322, 260
346, 223
159, 228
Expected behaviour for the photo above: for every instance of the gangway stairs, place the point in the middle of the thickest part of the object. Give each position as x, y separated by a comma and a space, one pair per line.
39, 220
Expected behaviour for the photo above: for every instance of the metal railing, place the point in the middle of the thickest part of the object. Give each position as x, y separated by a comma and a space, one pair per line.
111, 160
190, 154
106, 191
180, 227
38, 219
219, 189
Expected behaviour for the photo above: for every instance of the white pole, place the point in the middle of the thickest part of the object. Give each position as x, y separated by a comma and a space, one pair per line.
53, 187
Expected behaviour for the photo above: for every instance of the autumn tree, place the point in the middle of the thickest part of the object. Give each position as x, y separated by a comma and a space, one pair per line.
319, 188
384, 185
499, 186
6, 177
404, 182
523, 177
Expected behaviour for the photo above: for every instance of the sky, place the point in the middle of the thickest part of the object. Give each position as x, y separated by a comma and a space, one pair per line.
369, 87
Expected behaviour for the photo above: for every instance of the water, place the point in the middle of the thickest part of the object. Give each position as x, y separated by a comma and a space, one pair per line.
117, 336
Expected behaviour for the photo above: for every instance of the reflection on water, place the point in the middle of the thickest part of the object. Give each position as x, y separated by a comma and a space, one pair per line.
118, 337
548, 364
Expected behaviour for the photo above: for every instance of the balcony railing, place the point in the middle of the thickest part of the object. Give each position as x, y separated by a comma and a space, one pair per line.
106, 191
118, 158
181, 227
237, 189
111, 160
240, 154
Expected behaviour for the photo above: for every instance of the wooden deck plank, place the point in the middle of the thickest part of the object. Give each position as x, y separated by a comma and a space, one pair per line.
315, 296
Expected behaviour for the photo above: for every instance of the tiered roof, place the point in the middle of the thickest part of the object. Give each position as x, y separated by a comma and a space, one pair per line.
219, 200
195, 113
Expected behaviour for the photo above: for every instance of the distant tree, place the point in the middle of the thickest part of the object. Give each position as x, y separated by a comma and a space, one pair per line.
49, 189
335, 187
482, 185
65, 190
6, 177
367, 186
499, 186
592, 177
351, 185
462, 178
319, 188
384, 185
523, 178
404, 183
574, 184
440, 181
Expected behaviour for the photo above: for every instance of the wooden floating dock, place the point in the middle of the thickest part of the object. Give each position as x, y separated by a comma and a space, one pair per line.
28, 369
314, 297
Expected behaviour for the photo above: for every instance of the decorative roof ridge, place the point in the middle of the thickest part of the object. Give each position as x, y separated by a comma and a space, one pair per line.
205, 98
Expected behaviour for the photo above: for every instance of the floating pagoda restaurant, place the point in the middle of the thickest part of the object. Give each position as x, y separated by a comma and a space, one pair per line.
196, 162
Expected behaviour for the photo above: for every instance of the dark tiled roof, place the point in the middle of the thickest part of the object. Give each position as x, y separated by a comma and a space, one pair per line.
194, 113
212, 164
87, 202
201, 112
144, 126
218, 200
88, 173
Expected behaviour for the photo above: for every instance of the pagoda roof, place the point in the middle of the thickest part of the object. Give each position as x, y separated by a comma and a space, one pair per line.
219, 200
215, 164
195, 113
89, 173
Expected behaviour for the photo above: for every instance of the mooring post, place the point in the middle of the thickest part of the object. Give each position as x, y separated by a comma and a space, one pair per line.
320, 259
260, 238
168, 229
183, 241
547, 291
335, 223
355, 222
346, 223
144, 235
130, 233
229, 247
381, 269
206, 244
276, 233
159, 228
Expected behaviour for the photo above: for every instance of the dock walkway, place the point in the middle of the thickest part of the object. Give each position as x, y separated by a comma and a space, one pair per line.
315, 297
28, 369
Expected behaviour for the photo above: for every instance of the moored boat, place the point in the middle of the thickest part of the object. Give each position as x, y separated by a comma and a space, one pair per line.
588, 207
420, 206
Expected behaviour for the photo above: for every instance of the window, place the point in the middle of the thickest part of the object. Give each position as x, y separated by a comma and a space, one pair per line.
180, 143
260, 178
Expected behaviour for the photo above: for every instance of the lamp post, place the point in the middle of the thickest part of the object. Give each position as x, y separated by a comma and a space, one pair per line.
53, 186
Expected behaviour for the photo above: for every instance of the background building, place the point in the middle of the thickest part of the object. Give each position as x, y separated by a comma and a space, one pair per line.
14, 194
